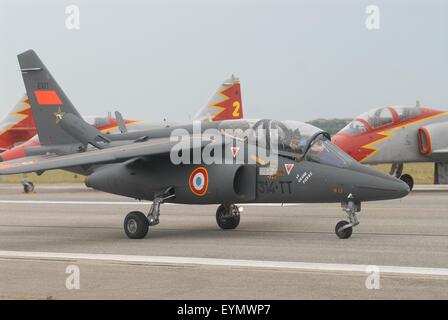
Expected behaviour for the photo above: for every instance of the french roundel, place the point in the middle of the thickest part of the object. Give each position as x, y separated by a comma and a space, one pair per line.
199, 181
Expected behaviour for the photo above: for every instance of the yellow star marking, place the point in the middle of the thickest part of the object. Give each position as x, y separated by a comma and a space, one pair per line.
59, 114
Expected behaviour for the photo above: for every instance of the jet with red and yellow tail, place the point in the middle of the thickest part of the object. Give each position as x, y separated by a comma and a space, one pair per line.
398, 135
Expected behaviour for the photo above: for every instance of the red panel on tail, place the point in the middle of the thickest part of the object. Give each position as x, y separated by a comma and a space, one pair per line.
47, 97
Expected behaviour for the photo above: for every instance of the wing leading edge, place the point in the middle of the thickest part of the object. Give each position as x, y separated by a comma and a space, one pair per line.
152, 147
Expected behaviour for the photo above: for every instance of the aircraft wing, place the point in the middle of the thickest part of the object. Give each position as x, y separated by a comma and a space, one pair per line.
151, 147
439, 155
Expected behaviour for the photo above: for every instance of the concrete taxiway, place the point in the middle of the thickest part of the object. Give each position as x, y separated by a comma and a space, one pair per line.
277, 252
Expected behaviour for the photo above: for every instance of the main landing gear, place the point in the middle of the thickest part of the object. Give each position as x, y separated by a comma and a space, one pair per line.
28, 186
396, 170
136, 224
228, 216
344, 229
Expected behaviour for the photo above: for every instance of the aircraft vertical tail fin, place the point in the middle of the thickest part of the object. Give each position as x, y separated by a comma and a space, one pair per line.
17, 126
225, 104
48, 102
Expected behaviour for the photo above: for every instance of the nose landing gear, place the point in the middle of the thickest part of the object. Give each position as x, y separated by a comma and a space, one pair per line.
344, 229
136, 224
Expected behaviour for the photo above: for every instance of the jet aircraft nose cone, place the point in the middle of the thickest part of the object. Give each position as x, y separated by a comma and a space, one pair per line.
398, 187
376, 185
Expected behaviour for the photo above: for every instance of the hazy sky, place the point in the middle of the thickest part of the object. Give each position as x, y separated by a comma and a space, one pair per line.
295, 59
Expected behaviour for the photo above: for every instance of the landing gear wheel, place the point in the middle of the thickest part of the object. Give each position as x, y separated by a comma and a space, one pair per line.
343, 233
136, 225
408, 180
228, 217
28, 186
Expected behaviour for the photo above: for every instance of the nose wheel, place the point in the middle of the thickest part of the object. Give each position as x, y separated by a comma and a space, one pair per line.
228, 216
344, 229
136, 224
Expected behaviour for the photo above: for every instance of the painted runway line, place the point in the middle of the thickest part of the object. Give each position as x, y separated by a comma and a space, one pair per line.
193, 261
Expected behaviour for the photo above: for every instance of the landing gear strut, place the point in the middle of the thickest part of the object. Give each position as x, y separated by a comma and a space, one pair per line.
396, 169
440, 173
228, 216
136, 224
344, 229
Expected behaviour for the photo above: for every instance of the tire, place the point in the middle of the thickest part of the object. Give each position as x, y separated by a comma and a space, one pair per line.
225, 221
343, 234
28, 187
408, 180
136, 225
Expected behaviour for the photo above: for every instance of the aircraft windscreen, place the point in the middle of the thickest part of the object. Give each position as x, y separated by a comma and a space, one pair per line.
378, 117
375, 118
325, 152
404, 112
292, 137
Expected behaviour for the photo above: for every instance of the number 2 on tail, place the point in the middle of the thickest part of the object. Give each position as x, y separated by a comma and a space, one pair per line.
236, 111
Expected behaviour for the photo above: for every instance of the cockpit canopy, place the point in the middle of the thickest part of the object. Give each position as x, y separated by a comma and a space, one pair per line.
380, 117
294, 139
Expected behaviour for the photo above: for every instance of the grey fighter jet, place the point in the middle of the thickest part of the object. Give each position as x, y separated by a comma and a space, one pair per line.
225, 162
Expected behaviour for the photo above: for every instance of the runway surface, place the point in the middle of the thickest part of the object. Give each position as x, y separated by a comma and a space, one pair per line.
277, 252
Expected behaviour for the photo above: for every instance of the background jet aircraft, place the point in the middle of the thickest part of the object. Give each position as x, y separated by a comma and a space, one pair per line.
397, 135
225, 103
17, 126
18, 134
19, 139
309, 168
18, 131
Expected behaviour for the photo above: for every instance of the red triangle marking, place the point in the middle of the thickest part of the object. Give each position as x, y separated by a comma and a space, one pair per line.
288, 167
234, 151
